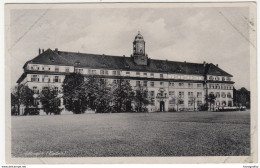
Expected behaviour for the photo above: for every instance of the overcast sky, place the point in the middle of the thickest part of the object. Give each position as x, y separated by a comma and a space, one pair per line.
214, 35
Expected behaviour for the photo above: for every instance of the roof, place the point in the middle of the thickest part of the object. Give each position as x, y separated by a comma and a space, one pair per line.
53, 57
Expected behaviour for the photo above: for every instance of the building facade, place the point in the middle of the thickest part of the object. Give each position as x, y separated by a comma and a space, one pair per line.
172, 86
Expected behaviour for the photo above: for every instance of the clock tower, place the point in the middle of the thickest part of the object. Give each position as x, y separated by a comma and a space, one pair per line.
140, 58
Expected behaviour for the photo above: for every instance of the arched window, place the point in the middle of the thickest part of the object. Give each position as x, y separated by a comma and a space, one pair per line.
229, 95
223, 103
217, 94
230, 103
223, 94
217, 103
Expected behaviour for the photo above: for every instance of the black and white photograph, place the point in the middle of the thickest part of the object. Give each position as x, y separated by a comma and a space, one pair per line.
131, 80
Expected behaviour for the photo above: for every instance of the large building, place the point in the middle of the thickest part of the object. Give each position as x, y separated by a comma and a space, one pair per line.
171, 85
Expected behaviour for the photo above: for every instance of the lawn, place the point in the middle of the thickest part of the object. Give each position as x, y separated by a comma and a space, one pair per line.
132, 134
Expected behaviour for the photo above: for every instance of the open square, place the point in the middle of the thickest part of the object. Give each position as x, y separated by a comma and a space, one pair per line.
132, 134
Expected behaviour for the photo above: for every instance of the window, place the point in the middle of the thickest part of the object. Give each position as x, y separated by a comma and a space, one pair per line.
172, 101
56, 69
145, 83
102, 72
145, 74
223, 103
190, 102
228, 79
106, 72
199, 94
190, 85
161, 75
152, 74
181, 84
56, 79
152, 93
171, 93
230, 103
35, 90
67, 69
211, 78
152, 84
138, 73
199, 85
223, 94
94, 72
223, 78
35, 78
114, 73
190, 94
181, 94
152, 102
229, 95
171, 84
127, 73
45, 68
161, 83
45, 89
118, 73
35, 67
217, 78
79, 70
181, 102
138, 83
199, 103
217, 94
56, 89
45, 78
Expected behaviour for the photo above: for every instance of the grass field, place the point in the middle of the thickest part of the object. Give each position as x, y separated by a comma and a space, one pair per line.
132, 134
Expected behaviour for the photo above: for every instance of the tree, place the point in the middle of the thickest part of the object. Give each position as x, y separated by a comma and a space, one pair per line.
141, 99
74, 93
102, 95
123, 95
241, 97
211, 99
22, 95
50, 101
193, 101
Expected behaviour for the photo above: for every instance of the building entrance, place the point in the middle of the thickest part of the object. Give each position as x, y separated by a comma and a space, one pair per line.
162, 106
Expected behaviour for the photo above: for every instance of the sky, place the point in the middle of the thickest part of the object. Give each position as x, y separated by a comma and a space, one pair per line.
215, 35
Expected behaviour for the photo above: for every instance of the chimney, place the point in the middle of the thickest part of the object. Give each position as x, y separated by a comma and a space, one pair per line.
42, 50
217, 65
123, 55
39, 51
204, 63
56, 49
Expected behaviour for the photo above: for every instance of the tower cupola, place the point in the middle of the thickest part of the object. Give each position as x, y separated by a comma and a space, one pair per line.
139, 45
140, 58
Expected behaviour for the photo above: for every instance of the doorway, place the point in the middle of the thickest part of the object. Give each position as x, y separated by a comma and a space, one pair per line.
162, 106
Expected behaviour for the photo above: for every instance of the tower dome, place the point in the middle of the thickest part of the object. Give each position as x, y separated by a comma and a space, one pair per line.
140, 58
139, 37
139, 45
